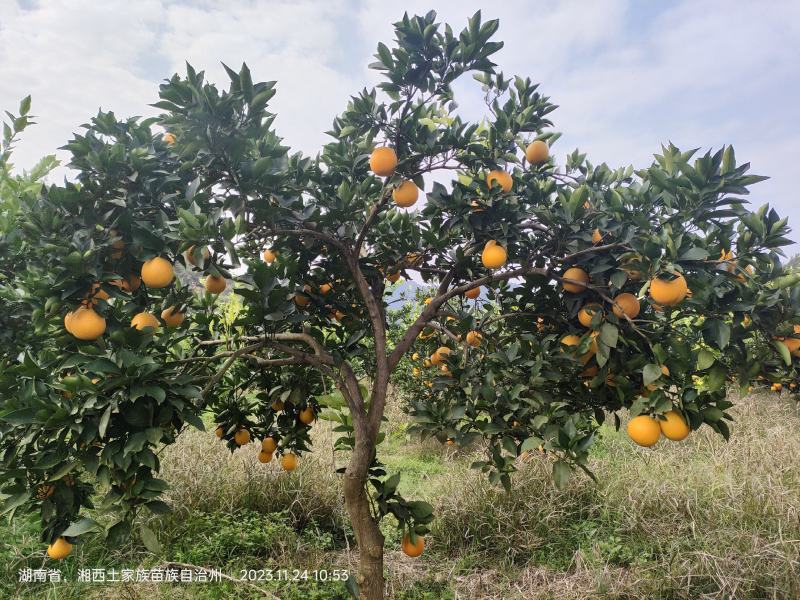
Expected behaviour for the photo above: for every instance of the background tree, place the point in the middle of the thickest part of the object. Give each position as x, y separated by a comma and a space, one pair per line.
598, 289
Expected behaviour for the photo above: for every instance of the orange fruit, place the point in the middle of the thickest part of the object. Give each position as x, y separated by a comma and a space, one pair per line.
383, 161
415, 549
393, 277
668, 292
289, 461
301, 300
588, 311
439, 355
270, 256
474, 339
626, 304
473, 293
325, 288
59, 549
493, 256
537, 152
575, 340
171, 317
85, 324
145, 319
576, 274
169, 138
502, 178
264, 457
306, 415
405, 194
644, 430
241, 437
597, 237
338, 315
792, 344
796, 328
157, 272
268, 444
215, 284
277, 405
219, 432
674, 427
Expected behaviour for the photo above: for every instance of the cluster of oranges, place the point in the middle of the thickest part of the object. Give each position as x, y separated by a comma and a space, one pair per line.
289, 460
84, 323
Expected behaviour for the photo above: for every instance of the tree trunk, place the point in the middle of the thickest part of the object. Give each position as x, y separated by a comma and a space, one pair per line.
368, 535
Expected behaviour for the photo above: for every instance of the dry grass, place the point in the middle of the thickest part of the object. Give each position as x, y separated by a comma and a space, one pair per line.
701, 519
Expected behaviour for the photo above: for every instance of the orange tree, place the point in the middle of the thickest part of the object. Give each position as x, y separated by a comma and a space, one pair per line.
557, 295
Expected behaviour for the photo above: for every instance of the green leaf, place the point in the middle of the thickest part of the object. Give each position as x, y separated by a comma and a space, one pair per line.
704, 359
561, 473
530, 444
783, 351
149, 539
651, 373
16, 500
85, 525
609, 334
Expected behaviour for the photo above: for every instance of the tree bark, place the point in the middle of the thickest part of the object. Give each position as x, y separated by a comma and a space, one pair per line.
369, 538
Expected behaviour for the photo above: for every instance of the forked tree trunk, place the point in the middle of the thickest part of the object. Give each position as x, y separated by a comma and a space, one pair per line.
368, 535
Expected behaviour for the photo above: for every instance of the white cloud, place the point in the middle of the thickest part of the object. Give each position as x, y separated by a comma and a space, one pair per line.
627, 76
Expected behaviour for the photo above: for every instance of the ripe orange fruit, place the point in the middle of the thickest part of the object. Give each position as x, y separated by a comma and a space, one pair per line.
277, 405
264, 457
644, 430
188, 255
301, 300
325, 288
393, 277
502, 178
588, 311
59, 549
306, 415
474, 339
338, 315
85, 324
792, 344
215, 284
268, 444
270, 256
575, 340
439, 355
157, 272
674, 427
597, 237
493, 256
537, 152
405, 194
145, 319
668, 292
577, 274
415, 549
169, 138
796, 328
219, 432
289, 461
626, 304
383, 161
171, 317
241, 437
473, 293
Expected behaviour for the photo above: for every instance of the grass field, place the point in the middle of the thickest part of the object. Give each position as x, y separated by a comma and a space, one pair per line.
697, 519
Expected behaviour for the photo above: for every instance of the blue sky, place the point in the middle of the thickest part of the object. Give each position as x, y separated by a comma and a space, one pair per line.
627, 75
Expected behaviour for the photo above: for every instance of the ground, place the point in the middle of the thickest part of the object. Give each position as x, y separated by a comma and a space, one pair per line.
702, 518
